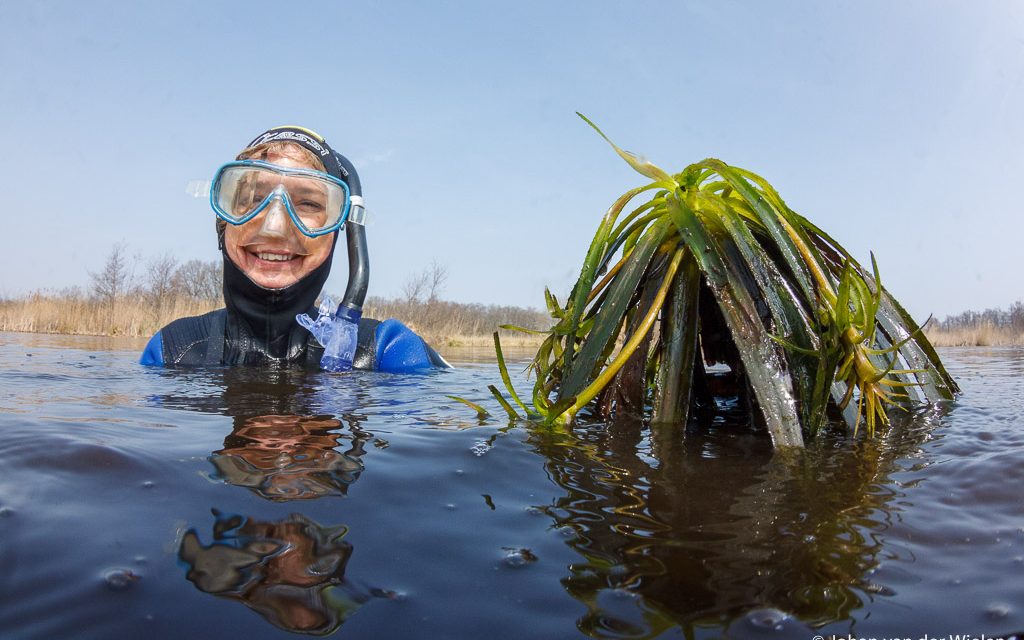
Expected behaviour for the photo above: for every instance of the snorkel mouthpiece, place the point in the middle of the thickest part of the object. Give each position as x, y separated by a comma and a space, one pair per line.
337, 333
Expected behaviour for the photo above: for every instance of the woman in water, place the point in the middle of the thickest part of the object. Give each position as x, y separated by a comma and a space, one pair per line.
280, 207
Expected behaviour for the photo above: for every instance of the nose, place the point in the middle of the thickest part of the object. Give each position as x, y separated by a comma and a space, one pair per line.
276, 223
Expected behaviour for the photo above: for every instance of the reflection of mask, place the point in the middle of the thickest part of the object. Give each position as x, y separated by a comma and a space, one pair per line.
288, 457
291, 572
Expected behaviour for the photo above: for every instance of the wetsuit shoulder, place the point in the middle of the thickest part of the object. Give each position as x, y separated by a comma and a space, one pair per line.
400, 350
194, 341
153, 354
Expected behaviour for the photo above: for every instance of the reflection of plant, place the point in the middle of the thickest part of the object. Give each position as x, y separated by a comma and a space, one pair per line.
811, 326
699, 532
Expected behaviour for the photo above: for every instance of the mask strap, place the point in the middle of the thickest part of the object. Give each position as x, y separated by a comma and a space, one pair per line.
221, 226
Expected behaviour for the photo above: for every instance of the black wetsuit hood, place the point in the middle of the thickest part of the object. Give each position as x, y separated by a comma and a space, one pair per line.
261, 322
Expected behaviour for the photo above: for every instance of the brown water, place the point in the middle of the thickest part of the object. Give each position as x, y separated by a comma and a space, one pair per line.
158, 503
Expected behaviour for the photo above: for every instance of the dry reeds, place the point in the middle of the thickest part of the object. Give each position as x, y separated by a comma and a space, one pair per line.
441, 323
70, 314
983, 335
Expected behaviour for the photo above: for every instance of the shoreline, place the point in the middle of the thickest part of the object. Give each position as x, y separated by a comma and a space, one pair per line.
978, 337
471, 345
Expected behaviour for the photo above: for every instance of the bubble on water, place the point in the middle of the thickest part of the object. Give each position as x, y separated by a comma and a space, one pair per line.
480, 448
120, 579
767, 618
450, 507
518, 557
880, 589
997, 610
6, 512
533, 511
460, 472
148, 484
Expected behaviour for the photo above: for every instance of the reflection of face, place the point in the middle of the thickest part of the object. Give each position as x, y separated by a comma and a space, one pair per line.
287, 443
287, 457
269, 249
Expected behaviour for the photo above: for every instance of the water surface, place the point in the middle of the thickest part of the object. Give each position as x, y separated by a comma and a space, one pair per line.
232, 503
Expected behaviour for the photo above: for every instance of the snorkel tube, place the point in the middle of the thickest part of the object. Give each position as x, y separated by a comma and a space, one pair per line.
338, 332
355, 237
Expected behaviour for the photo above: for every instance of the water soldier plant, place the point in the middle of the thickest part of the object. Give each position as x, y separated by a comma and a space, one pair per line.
714, 268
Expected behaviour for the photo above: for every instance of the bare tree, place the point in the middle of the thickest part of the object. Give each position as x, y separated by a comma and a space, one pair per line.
199, 280
113, 280
437, 276
414, 287
427, 285
160, 284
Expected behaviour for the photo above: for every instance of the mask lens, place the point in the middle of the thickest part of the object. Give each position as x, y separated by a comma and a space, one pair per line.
315, 202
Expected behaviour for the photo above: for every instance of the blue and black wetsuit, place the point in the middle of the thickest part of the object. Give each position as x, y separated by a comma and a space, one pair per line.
257, 327
386, 345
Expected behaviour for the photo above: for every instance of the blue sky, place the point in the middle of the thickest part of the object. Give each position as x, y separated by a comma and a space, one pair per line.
896, 126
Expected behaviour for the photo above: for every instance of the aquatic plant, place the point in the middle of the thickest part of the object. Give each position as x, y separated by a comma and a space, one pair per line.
715, 268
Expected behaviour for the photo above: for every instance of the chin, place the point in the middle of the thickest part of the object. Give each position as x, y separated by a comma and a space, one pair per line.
273, 280
271, 274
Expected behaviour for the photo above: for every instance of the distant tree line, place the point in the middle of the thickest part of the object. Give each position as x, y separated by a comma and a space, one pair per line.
421, 307
1012, 318
990, 327
129, 296
163, 280
124, 297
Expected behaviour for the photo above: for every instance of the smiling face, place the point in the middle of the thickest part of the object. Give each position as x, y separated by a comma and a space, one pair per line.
269, 249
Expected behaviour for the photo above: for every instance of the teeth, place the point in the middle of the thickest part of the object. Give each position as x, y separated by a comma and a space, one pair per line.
274, 257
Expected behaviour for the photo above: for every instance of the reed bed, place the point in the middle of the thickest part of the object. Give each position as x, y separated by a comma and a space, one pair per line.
127, 316
979, 336
442, 323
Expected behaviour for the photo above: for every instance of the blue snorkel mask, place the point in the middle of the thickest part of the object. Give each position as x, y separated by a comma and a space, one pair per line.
318, 203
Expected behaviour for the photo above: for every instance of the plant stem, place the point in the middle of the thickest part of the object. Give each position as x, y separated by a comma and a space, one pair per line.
605, 377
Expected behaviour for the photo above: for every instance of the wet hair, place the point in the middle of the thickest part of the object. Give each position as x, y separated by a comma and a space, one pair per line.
277, 147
